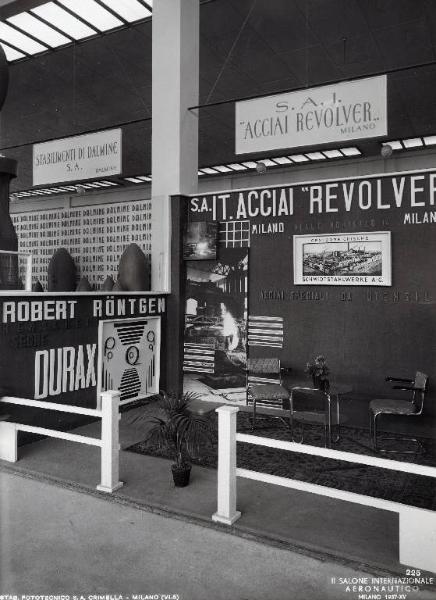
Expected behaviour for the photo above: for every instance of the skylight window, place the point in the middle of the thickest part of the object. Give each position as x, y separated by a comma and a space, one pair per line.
223, 169
63, 20
315, 156
282, 160
430, 140
19, 40
350, 151
333, 154
237, 167
395, 145
298, 158
209, 171
412, 143
94, 13
38, 29
11, 53
130, 10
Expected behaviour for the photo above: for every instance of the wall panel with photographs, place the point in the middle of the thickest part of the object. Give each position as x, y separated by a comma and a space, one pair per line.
337, 268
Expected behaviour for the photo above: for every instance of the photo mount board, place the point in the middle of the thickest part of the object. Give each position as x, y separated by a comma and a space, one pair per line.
362, 258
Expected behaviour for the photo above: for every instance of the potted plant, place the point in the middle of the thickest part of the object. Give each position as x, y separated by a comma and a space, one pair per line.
180, 431
319, 372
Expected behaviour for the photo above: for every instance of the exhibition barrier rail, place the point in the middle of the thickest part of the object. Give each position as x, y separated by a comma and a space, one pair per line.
109, 442
417, 526
29, 265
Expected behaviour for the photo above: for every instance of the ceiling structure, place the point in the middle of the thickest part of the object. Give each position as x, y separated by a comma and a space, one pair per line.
247, 48
39, 27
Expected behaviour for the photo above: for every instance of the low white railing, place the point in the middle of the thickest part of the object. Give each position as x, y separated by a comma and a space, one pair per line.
417, 526
109, 443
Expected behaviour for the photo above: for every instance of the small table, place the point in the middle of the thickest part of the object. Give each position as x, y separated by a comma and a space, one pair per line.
336, 390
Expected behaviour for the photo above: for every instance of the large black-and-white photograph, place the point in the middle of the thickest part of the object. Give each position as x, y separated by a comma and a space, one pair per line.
345, 259
216, 319
200, 241
340, 258
217, 300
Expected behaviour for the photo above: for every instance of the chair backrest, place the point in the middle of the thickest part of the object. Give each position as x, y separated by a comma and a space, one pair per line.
263, 370
421, 380
421, 385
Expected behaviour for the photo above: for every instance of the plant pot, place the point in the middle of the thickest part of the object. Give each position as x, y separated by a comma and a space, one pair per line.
181, 475
321, 384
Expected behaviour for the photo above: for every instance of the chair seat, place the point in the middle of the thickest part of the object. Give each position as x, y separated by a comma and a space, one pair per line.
268, 392
305, 416
393, 407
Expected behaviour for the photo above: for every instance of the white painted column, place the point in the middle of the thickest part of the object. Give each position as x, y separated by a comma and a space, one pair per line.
110, 445
8, 442
226, 510
174, 129
418, 538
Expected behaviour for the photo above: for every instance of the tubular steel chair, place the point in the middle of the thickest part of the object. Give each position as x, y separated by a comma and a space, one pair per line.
264, 385
311, 406
410, 408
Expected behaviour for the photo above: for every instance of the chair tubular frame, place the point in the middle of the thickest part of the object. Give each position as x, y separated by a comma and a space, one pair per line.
375, 415
252, 369
328, 438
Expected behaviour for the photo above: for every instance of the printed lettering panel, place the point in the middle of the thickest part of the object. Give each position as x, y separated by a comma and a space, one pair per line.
94, 235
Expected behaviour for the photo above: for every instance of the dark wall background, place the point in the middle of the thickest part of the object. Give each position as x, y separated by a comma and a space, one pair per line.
365, 332
19, 342
245, 49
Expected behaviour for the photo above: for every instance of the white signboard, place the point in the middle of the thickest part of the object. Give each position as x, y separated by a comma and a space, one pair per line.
332, 113
77, 158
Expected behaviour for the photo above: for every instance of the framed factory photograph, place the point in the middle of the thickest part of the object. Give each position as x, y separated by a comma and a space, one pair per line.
343, 259
200, 241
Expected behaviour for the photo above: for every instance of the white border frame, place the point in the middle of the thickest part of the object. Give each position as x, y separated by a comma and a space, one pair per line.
100, 356
353, 280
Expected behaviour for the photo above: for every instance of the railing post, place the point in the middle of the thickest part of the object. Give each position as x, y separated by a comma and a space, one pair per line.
8, 441
110, 447
226, 510
418, 538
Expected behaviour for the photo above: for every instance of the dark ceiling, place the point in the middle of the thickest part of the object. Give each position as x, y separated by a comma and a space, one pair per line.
248, 47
